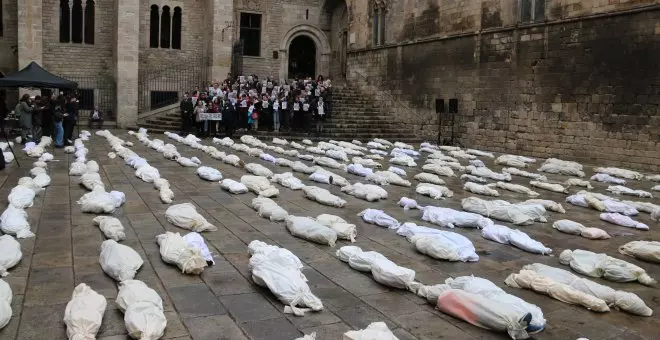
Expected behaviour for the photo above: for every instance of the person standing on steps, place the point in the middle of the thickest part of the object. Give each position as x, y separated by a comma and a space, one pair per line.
186, 108
319, 115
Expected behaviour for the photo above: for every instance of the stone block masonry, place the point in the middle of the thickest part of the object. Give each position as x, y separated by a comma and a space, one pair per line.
582, 89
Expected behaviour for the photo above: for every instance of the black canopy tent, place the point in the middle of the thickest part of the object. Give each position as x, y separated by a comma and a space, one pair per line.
34, 75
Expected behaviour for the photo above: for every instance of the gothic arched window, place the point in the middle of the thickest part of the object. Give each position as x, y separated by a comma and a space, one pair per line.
165, 21
176, 28
154, 27
89, 22
77, 22
65, 21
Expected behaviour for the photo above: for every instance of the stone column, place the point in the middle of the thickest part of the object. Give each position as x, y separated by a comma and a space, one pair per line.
126, 53
220, 38
30, 36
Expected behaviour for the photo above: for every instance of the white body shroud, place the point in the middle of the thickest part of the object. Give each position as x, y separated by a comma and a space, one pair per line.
84, 313
602, 265
517, 238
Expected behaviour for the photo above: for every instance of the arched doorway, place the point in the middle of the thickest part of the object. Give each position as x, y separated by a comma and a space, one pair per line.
302, 57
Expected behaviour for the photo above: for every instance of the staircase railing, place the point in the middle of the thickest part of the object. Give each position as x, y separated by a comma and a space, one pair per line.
163, 86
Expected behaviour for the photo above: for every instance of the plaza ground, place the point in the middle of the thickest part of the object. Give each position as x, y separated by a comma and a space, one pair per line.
224, 303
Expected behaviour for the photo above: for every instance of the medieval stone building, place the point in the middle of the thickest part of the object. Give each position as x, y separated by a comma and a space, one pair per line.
570, 78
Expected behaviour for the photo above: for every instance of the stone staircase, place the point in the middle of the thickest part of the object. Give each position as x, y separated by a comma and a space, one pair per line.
354, 116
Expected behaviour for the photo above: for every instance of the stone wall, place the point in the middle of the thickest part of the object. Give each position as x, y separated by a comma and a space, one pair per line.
278, 18
9, 39
576, 88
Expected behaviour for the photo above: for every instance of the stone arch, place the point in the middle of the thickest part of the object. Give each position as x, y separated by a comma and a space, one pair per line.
322, 48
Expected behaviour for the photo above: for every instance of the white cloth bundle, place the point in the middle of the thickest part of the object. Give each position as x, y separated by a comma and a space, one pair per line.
393, 178
299, 166
441, 245
209, 174
92, 166
98, 201
260, 185
374, 331
479, 189
233, 160
186, 216
623, 173
284, 162
518, 172
575, 228
344, 230
426, 177
404, 160
529, 279
623, 220
84, 313
434, 191
187, 162
505, 235
408, 203
14, 222
21, 196
547, 204
461, 154
338, 155
602, 265
41, 180
77, 169
440, 170
518, 214
450, 218
258, 170
233, 186
359, 170
5, 303
558, 166
607, 179
267, 208
267, 157
621, 190
274, 253
176, 250
473, 178
383, 270
487, 173
91, 180
488, 290
10, 254
628, 302
311, 230
367, 192
366, 162
286, 283
288, 180
323, 196
379, 218
111, 227
556, 187
517, 188
120, 262
147, 173
514, 160
643, 250
578, 183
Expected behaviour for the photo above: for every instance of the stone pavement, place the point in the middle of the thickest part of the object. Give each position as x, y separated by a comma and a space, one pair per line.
223, 303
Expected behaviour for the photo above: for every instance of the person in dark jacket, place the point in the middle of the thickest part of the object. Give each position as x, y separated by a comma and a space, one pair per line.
47, 116
37, 118
70, 116
58, 117
24, 110
186, 107
228, 116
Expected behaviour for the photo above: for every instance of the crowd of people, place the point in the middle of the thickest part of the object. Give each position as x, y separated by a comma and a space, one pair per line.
246, 103
54, 116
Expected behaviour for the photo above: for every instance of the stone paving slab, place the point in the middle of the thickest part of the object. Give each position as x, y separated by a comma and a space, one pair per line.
224, 303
